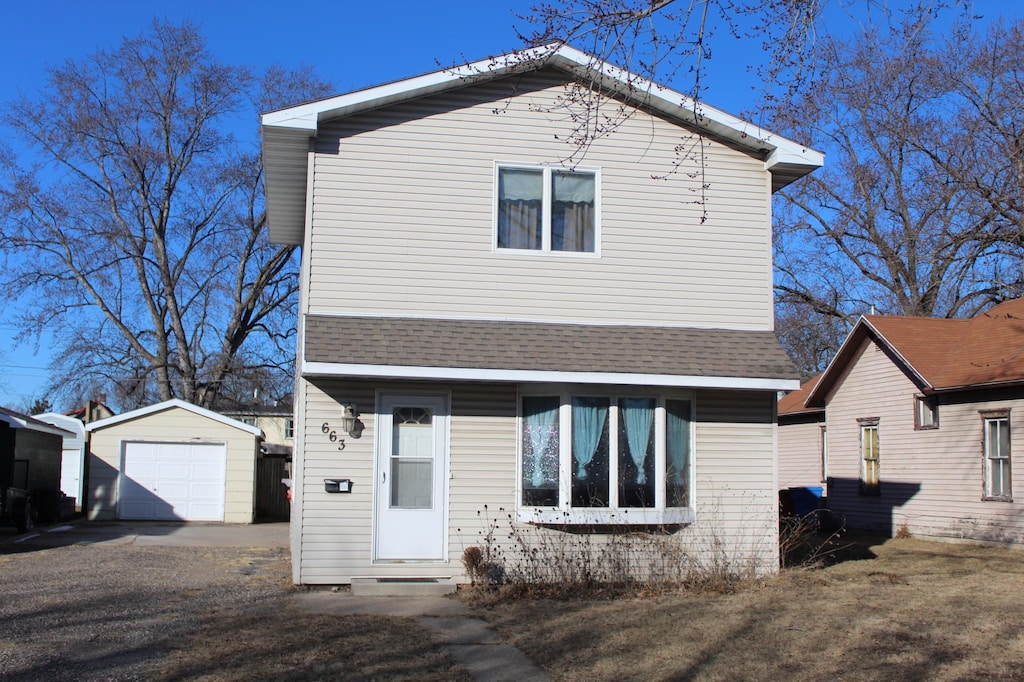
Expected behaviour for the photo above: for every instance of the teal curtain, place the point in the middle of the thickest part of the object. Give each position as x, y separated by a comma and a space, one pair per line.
638, 418
540, 417
678, 437
588, 418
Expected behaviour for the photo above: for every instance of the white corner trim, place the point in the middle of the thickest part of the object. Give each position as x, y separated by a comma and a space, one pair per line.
168, 404
310, 369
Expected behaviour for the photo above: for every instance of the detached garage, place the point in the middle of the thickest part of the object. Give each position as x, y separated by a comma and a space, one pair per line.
172, 461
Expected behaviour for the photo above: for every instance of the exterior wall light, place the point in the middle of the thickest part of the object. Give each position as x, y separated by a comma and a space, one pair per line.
350, 420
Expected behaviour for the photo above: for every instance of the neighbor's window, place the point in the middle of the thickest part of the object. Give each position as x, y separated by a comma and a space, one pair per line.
869, 480
546, 209
603, 452
823, 442
289, 428
926, 412
996, 426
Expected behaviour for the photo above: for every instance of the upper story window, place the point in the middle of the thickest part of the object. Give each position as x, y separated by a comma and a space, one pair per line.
600, 458
547, 209
289, 428
926, 412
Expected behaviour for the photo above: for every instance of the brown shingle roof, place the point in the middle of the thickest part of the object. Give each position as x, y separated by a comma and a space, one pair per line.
943, 354
484, 344
793, 402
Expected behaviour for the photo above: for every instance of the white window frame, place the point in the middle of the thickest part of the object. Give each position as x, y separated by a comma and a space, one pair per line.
546, 209
289, 428
926, 413
565, 513
989, 418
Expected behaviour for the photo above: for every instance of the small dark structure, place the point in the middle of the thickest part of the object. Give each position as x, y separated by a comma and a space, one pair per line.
30, 457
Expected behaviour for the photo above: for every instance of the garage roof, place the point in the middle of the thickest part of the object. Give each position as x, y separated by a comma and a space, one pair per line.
166, 405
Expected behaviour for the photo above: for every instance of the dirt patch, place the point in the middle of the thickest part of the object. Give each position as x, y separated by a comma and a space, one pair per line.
97, 612
918, 611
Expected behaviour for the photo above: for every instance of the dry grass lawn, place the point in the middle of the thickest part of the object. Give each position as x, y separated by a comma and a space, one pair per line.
917, 611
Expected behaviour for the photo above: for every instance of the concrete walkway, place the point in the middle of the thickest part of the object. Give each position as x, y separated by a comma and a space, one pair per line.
474, 645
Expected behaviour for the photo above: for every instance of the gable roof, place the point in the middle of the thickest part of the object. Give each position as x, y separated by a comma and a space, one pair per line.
17, 420
941, 355
499, 350
166, 405
794, 402
287, 132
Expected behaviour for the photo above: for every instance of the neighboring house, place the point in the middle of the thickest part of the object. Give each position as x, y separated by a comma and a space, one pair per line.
72, 464
172, 461
93, 410
920, 414
30, 461
277, 423
803, 454
487, 328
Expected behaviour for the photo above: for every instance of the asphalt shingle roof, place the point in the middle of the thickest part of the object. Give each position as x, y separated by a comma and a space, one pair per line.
484, 344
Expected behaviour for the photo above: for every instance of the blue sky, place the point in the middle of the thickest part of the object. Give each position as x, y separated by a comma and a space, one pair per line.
354, 44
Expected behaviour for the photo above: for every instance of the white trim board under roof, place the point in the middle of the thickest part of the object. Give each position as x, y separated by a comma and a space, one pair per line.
287, 132
166, 405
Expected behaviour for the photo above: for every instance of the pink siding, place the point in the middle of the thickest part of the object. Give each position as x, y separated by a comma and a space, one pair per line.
931, 480
800, 443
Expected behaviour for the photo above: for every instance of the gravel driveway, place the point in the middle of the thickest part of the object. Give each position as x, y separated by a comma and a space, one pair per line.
121, 609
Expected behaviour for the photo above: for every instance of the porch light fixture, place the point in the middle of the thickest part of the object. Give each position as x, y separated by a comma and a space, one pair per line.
350, 420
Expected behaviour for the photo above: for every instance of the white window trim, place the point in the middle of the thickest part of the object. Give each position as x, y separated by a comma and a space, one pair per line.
564, 513
546, 211
988, 417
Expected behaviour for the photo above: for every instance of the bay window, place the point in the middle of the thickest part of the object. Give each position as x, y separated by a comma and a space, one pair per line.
592, 458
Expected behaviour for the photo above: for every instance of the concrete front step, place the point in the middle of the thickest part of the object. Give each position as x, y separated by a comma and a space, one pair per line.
402, 587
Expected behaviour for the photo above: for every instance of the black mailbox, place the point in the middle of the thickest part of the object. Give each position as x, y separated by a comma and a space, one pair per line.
337, 485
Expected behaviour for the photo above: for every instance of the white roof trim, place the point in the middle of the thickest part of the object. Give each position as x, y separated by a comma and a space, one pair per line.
34, 424
779, 149
166, 405
533, 376
286, 132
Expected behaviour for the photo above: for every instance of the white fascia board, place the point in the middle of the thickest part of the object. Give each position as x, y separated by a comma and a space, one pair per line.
34, 424
663, 99
326, 369
168, 404
306, 116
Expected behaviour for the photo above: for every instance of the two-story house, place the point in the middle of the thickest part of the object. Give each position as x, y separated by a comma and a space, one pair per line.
583, 344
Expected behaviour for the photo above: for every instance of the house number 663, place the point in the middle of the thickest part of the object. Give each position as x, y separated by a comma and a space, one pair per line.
332, 436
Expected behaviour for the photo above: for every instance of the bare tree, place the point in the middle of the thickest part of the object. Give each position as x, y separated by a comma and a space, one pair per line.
135, 226
894, 224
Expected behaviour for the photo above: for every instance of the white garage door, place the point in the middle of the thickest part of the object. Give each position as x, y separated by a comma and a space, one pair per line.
167, 481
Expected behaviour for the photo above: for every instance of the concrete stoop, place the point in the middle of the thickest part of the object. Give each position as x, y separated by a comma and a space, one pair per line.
402, 587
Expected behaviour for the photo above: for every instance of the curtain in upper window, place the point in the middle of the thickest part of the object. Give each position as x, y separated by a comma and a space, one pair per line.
520, 204
572, 212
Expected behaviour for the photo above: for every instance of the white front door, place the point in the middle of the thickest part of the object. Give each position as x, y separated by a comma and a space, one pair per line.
412, 471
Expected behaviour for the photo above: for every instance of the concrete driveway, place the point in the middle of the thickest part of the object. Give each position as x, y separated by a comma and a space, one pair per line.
147, 533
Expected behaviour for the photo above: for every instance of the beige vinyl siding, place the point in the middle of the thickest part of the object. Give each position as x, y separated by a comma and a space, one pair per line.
735, 490
168, 426
737, 500
402, 218
800, 444
931, 479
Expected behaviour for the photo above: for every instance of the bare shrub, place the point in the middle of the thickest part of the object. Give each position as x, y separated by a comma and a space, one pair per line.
809, 541
572, 560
